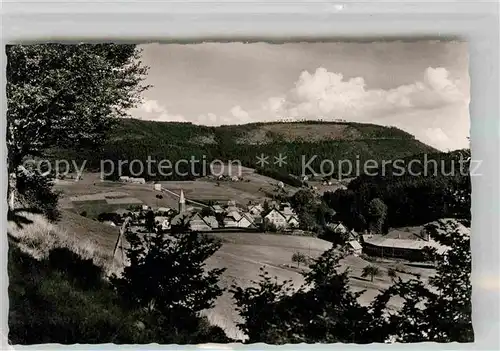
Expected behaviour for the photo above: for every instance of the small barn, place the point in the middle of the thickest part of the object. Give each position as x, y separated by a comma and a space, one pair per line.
211, 221
355, 247
137, 180
198, 224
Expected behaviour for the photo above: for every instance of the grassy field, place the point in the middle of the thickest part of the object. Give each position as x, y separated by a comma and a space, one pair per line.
92, 185
89, 239
242, 254
92, 195
253, 187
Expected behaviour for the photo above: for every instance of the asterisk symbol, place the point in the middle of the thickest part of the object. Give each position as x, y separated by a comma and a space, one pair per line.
262, 160
280, 160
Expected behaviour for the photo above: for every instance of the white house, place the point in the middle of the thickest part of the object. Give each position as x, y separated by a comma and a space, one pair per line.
157, 186
246, 221
355, 247
124, 179
293, 221
198, 224
217, 208
232, 219
163, 221
338, 228
165, 210
235, 214
277, 218
137, 180
282, 220
255, 210
353, 235
211, 221
160, 219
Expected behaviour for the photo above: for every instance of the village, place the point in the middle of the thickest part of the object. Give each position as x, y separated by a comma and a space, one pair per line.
254, 193
268, 216
254, 217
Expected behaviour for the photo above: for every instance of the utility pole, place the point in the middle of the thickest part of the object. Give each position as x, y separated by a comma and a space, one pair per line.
123, 229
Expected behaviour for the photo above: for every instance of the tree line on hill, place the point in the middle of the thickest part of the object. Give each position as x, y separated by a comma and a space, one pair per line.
406, 200
302, 156
131, 139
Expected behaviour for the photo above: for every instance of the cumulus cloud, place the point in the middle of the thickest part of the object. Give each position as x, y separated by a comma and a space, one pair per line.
437, 138
239, 113
329, 94
433, 108
153, 110
151, 106
209, 119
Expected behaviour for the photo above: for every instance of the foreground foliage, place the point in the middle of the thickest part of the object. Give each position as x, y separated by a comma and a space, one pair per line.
63, 299
325, 310
168, 274
65, 96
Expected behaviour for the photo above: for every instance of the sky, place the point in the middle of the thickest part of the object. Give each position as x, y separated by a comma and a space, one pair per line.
421, 87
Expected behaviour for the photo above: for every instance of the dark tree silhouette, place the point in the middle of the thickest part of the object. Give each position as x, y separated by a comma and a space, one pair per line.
64, 96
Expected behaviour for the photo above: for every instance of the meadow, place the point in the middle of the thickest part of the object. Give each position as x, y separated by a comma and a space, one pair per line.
242, 254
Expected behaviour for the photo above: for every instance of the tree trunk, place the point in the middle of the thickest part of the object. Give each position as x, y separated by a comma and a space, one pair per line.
12, 198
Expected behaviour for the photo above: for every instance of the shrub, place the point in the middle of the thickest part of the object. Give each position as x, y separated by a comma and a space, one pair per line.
83, 272
372, 271
62, 299
49, 305
169, 275
298, 258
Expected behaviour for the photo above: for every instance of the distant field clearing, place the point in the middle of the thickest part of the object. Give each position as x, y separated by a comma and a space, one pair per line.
123, 201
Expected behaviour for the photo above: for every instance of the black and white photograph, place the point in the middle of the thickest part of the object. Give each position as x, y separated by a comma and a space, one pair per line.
239, 192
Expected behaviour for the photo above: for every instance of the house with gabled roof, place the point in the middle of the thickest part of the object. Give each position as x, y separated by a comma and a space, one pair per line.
198, 224
255, 210
246, 221
217, 209
292, 221
211, 221
231, 219
338, 228
164, 210
163, 221
277, 218
354, 247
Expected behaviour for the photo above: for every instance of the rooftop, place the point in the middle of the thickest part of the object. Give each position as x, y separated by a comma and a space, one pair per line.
383, 241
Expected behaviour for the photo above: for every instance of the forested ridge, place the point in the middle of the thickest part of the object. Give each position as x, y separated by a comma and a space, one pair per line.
133, 139
424, 188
